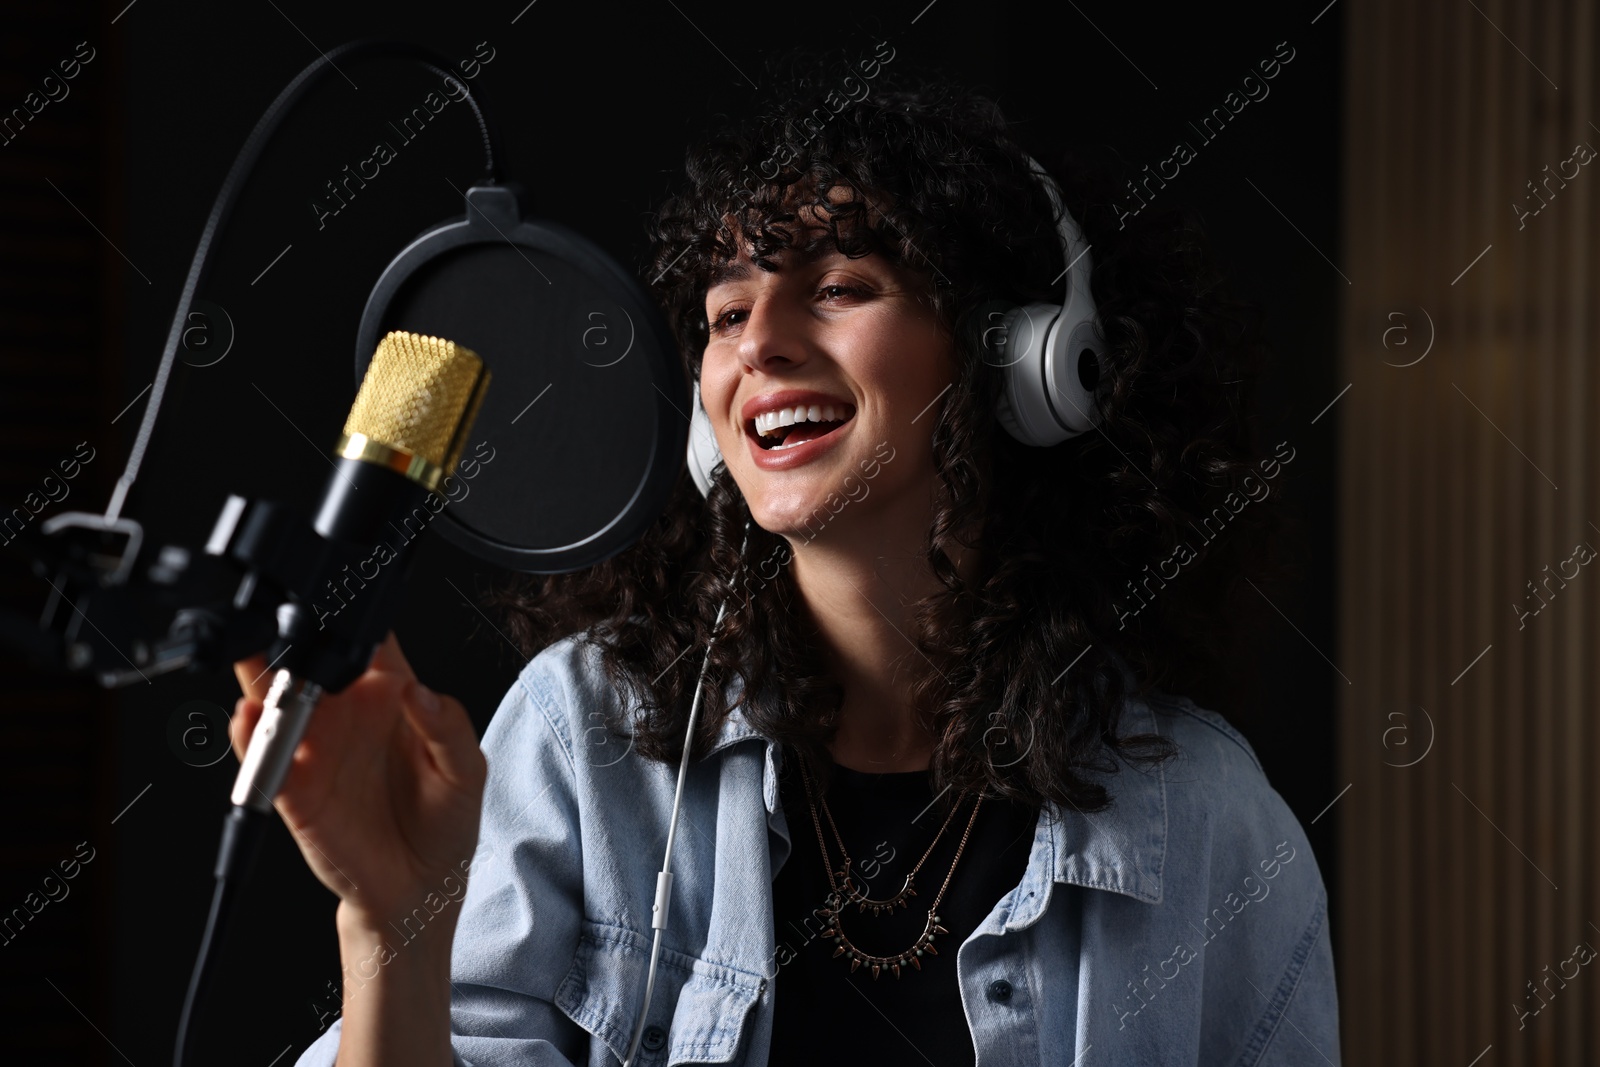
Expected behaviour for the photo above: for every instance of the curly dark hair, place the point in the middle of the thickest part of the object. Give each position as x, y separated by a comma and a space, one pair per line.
1072, 536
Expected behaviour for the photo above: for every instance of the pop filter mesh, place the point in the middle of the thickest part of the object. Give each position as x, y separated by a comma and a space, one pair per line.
562, 442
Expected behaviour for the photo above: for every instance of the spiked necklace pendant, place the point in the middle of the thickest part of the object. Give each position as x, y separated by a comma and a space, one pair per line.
843, 891
911, 956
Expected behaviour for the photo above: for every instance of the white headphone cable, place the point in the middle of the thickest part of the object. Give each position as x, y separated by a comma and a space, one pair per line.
658, 910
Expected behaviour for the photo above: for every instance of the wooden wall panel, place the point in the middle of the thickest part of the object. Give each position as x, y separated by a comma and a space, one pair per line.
1466, 479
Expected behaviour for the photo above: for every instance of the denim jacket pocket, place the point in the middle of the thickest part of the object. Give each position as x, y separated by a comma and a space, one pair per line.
701, 1008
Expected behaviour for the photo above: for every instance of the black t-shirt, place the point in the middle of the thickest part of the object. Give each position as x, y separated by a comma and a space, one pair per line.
826, 1013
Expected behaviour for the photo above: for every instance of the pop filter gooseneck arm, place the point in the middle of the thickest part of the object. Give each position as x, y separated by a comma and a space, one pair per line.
242, 833
234, 183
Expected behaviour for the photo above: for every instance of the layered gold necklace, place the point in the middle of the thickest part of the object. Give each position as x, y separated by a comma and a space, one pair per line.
843, 890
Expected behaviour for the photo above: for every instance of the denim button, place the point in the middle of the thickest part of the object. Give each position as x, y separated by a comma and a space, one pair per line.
1000, 989
654, 1038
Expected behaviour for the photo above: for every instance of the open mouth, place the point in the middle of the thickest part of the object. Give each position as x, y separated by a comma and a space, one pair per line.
789, 427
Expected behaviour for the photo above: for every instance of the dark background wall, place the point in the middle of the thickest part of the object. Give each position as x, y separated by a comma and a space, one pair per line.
105, 192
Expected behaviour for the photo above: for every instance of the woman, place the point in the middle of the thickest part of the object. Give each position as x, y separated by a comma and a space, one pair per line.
940, 805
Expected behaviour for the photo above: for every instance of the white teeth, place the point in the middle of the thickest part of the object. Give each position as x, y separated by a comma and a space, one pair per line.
770, 421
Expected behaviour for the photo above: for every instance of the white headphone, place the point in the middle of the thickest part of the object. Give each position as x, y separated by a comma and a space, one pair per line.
1051, 353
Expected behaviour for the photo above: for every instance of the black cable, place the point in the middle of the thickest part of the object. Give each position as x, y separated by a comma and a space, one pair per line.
241, 841
238, 174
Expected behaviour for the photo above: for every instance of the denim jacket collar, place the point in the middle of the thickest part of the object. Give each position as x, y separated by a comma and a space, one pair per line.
1120, 849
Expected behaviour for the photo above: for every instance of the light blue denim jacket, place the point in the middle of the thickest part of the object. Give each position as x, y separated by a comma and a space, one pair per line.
1186, 924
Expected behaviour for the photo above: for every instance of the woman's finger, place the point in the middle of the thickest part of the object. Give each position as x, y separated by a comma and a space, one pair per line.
246, 713
446, 731
389, 659
253, 676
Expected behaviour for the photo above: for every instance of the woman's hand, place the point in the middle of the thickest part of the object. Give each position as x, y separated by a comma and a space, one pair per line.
384, 791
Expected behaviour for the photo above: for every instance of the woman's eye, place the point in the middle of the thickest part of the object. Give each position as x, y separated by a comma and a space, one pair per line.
726, 321
847, 290
721, 322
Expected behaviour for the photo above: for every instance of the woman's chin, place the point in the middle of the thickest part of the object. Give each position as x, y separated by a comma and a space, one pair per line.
798, 515
789, 521
799, 503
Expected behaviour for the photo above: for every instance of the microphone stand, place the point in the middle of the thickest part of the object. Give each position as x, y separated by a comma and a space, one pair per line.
73, 552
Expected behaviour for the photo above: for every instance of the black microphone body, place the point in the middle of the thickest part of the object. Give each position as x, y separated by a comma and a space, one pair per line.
326, 640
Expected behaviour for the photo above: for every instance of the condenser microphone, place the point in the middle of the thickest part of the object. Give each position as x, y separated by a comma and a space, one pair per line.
416, 405
403, 437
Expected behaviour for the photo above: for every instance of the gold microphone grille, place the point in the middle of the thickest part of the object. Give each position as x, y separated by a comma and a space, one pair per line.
416, 405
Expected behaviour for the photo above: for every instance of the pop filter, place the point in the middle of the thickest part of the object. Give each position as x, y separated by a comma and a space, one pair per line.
582, 438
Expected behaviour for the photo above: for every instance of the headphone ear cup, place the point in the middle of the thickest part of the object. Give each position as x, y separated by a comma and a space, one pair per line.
987, 331
1023, 407
703, 453
1073, 376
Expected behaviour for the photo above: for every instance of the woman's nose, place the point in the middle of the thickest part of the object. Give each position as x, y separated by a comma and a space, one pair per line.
774, 334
